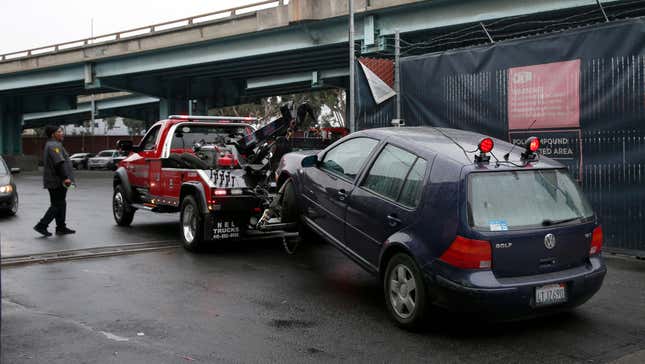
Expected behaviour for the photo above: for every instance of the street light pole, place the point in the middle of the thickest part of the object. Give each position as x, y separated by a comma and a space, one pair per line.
397, 73
352, 122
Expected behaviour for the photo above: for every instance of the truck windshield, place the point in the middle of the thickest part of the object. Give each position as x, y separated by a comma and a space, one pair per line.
186, 136
522, 199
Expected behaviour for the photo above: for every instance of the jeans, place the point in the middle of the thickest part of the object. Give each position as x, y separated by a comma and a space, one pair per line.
57, 208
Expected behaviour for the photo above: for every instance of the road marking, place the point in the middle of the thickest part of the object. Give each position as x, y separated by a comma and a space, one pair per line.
114, 337
96, 252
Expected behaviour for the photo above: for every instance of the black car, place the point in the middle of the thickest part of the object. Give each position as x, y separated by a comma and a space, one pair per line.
79, 160
8, 191
442, 223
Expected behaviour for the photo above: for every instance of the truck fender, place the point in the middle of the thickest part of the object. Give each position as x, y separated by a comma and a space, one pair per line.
196, 189
121, 177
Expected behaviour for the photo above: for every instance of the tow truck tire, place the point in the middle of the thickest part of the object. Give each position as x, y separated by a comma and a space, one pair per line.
121, 209
191, 224
405, 292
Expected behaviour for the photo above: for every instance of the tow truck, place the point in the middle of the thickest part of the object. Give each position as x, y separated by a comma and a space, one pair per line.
216, 171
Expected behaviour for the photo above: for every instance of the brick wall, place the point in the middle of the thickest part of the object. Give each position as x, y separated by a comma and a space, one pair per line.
33, 146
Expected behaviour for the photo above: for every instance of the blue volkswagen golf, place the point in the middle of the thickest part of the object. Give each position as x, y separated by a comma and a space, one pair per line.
450, 218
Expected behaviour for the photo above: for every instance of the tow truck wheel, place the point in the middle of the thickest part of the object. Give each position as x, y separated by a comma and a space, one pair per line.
121, 209
192, 224
405, 292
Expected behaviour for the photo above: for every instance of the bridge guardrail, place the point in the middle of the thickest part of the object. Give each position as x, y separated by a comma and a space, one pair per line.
145, 30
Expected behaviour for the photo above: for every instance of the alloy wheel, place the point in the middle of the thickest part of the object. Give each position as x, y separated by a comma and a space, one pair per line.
189, 223
403, 291
118, 205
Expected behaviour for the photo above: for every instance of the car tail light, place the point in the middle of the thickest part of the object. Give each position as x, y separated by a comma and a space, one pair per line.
486, 145
219, 192
596, 241
468, 254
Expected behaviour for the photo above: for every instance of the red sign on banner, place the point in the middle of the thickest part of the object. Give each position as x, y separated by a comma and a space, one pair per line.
548, 94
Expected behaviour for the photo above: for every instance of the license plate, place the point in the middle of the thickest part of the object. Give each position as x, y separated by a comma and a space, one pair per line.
225, 230
550, 294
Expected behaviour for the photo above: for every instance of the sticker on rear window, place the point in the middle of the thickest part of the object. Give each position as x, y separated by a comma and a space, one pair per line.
498, 225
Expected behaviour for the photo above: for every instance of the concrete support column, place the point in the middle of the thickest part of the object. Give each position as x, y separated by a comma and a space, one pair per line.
164, 108
10, 129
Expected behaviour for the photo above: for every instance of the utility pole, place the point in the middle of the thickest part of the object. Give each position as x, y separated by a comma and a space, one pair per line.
92, 101
397, 75
352, 122
92, 115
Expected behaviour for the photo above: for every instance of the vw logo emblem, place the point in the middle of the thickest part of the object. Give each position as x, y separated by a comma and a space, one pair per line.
549, 241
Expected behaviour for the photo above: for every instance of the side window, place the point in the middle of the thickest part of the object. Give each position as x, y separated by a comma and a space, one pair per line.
150, 140
347, 158
411, 194
389, 171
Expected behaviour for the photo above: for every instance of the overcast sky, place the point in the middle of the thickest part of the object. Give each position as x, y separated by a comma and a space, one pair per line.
28, 24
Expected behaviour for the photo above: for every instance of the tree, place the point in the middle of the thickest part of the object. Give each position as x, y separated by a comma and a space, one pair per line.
135, 127
109, 123
328, 106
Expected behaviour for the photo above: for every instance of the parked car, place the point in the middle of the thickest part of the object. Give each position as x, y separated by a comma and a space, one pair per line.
429, 213
106, 159
8, 190
80, 160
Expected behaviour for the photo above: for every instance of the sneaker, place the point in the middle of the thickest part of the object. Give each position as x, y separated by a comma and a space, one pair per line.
42, 230
65, 230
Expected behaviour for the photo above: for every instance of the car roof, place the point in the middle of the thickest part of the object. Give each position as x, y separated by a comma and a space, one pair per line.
455, 144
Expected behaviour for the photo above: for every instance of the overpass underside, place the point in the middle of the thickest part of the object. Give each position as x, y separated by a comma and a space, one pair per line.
244, 56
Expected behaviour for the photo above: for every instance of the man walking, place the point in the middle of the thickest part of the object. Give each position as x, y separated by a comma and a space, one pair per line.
57, 178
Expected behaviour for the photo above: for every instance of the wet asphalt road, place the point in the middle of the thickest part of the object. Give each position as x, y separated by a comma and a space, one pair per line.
254, 303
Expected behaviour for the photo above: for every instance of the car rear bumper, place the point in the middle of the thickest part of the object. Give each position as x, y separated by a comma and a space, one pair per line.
502, 298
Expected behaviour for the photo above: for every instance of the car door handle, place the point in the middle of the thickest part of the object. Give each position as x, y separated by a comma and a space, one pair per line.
393, 220
342, 195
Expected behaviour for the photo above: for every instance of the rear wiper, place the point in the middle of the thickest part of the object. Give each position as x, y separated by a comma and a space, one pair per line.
548, 222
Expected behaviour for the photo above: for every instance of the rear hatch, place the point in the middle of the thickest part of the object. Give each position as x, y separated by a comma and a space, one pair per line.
537, 221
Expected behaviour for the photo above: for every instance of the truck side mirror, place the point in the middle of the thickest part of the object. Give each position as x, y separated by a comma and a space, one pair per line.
125, 145
309, 161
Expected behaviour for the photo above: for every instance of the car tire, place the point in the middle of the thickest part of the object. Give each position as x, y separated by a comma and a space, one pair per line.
405, 292
191, 224
290, 212
289, 204
121, 210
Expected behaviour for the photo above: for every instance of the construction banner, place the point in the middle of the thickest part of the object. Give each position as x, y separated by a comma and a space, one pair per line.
581, 91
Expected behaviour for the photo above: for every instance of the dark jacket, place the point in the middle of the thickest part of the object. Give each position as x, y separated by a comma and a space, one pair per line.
57, 166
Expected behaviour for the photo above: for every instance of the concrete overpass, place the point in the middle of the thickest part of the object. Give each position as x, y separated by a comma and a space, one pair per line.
225, 58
